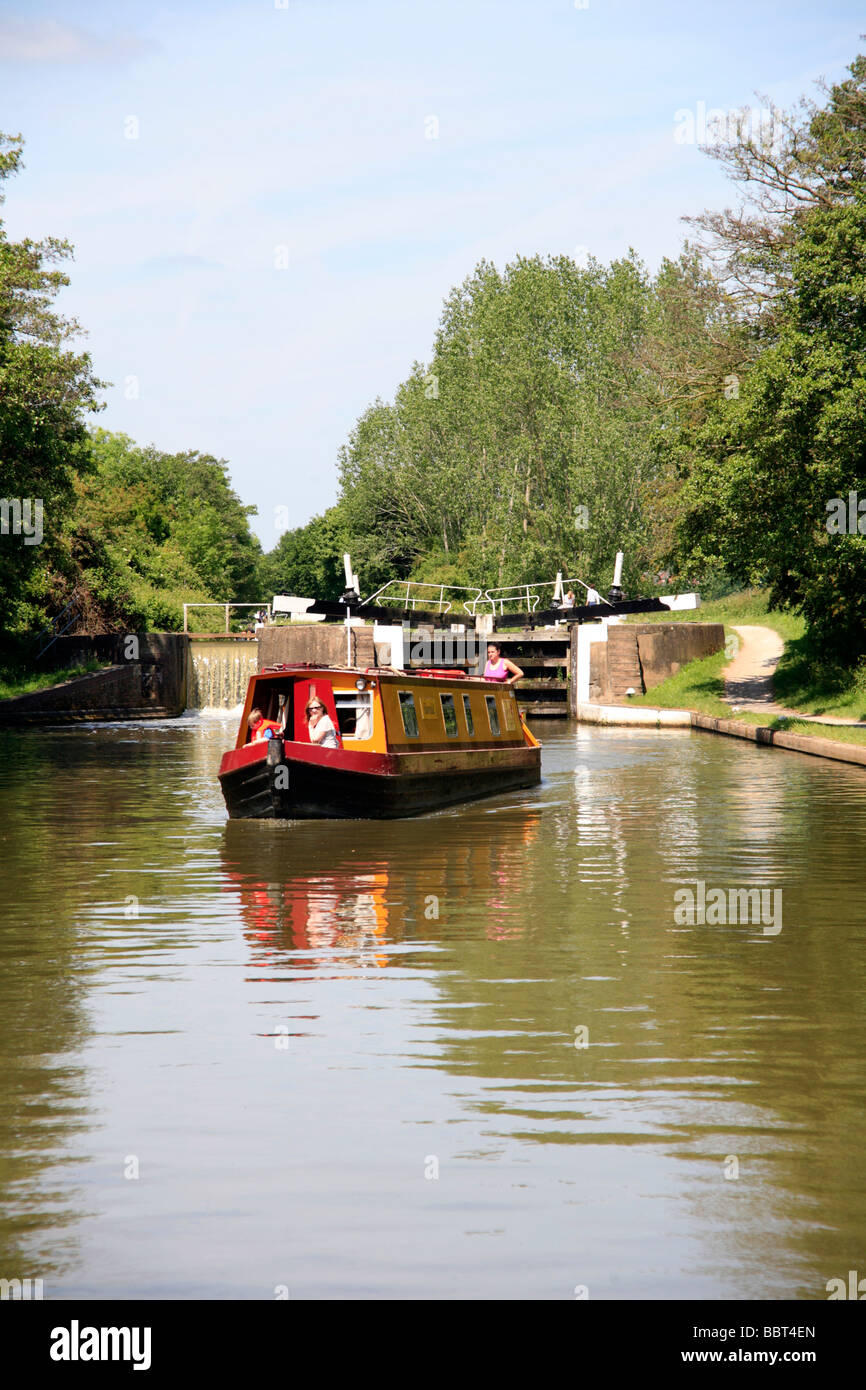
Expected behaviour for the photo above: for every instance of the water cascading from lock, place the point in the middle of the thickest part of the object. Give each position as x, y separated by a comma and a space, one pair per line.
221, 674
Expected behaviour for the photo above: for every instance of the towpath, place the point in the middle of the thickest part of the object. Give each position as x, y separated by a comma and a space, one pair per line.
749, 678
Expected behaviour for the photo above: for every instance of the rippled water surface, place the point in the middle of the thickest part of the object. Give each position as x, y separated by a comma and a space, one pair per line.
347, 1058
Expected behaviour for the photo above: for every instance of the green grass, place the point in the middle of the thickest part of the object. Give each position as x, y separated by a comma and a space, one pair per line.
804, 681
749, 606
698, 685
12, 684
837, 733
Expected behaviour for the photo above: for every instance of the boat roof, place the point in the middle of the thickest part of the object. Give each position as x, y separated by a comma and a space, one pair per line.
386, 673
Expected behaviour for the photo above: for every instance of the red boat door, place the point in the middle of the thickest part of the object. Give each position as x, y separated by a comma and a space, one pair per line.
321, 688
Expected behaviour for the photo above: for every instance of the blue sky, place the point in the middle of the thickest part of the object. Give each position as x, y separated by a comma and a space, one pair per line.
270, 251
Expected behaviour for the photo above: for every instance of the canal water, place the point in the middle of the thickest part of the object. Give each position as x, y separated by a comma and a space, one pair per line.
484, 1053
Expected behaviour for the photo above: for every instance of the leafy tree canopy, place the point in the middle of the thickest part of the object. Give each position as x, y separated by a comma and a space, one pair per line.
528, 442
46, 390
152, 530
308, 560
764, 470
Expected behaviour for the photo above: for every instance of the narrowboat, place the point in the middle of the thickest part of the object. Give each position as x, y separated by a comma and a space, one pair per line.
409, 742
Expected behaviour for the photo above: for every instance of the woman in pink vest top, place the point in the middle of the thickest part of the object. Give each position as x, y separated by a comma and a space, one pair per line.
500, 669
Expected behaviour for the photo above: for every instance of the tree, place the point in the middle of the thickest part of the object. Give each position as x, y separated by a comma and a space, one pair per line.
762, 472
46, 390
308, 560
151, 531
761, 494
525, 445
808, 159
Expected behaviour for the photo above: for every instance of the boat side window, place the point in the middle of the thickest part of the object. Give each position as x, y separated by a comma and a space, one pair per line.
407, 710
510, 714
449, 714
492, 715
354, 713
467, 714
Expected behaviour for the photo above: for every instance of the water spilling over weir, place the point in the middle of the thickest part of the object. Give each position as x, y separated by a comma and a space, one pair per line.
220, 672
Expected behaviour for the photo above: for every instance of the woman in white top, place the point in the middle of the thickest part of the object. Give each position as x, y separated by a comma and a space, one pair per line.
319, 724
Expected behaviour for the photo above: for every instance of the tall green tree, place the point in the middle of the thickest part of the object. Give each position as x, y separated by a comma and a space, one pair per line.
151, 531
525, 444
811, 158
307, 560
763, 496
46, 391
767, 469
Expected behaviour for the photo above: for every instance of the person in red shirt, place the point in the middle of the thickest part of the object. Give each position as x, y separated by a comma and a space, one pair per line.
261, 728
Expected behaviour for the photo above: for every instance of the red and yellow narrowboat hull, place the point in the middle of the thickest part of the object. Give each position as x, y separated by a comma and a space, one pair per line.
410, 744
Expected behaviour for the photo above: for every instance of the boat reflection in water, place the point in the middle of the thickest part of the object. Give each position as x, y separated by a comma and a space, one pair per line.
309, 904
317, 914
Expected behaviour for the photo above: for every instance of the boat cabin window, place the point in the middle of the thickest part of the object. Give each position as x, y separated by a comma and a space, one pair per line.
492, 715
467, 714
407, 710
449, 714
354, 713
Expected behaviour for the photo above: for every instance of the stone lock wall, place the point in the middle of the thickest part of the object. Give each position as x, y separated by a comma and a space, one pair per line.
639, 656
145, 680
664, 648
317, 644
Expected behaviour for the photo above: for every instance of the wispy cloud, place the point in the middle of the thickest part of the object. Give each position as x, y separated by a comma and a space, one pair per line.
47, 41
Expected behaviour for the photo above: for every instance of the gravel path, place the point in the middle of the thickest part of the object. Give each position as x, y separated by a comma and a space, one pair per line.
749, 678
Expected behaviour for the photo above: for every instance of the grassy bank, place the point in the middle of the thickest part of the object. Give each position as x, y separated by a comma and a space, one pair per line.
16, 683
804, 680
838, 733
748, 606
699, 686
